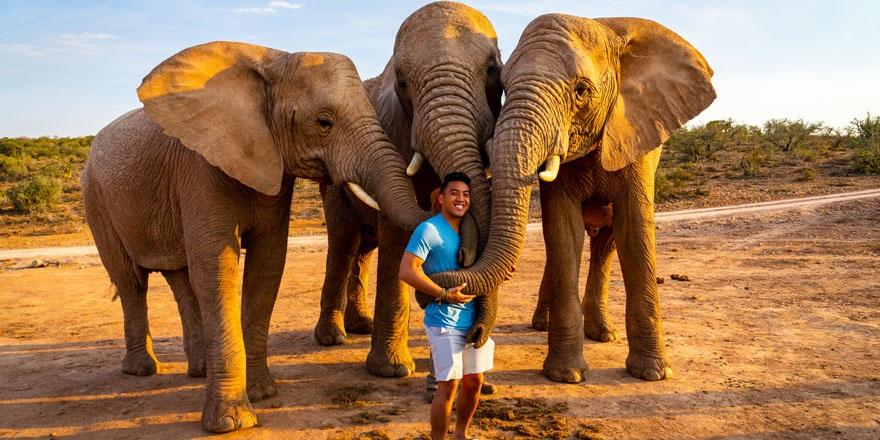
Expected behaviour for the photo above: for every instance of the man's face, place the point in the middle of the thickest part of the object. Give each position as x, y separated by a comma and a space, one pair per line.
455, 199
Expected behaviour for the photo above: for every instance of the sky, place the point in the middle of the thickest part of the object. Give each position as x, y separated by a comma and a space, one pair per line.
68, 68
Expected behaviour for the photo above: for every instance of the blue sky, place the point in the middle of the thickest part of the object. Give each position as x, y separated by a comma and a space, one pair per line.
69, 67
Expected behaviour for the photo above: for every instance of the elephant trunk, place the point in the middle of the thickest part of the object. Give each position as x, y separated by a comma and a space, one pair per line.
519, 147
382, 173
452, 120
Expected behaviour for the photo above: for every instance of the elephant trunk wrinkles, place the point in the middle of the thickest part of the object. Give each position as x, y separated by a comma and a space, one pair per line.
517, 151
449, 128
383, 174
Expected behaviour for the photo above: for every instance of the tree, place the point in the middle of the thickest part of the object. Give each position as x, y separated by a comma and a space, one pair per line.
787, 135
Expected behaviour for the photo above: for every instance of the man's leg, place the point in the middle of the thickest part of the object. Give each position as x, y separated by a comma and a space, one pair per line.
431, 383
441, 408
468, 399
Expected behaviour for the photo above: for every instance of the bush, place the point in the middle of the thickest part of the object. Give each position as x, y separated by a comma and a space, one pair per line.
752, 163
35, 194
671, 185
867, 160
12, 167
788, 136
808, 174
46, 147
867, 129
700, 143
57, 168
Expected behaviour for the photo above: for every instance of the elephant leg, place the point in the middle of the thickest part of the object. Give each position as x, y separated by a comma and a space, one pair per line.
597, 323
358, 316
263, 267
343, 240
131, 286
389, 354
191, 318
541, 316
130, 282
564, 241
213, 271
634, 234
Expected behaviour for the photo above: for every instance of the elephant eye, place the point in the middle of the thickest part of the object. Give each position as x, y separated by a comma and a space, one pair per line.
401, 83
581, 89
324, 122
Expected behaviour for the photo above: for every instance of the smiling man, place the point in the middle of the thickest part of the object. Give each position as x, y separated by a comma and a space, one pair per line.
433, 248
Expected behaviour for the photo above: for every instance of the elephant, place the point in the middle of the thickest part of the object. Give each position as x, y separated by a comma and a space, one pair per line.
205, 170
437, 98
589, 103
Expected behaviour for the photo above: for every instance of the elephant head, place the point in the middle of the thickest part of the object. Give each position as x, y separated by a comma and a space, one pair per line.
259, 114
574, 85
442, 90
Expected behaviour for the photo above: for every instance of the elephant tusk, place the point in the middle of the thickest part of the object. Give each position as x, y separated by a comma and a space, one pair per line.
551, 168
488, 173
415, 164
361, 194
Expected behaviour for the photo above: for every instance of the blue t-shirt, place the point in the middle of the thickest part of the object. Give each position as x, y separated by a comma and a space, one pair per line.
436, 243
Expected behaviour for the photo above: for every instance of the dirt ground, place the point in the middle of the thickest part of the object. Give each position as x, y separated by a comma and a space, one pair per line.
776, 335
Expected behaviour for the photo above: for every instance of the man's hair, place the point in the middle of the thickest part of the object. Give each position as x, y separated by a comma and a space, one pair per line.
455, 176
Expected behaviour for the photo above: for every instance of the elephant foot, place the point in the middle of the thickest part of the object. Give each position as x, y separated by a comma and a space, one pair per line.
219, 416
358, 322
261, 386
567, 369
140, 363
541, 320
601, 332
648, 367
382, 364
329, 331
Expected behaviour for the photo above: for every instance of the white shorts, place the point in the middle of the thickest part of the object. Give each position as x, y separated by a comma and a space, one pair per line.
454, 357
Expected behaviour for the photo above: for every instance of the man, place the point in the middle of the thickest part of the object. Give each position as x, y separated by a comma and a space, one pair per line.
434, 248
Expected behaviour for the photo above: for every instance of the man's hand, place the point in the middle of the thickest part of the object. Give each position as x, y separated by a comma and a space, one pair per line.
454, 295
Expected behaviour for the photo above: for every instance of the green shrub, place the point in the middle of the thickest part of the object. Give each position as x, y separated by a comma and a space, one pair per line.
867, 160
57, 168
47, 147
807, 154
808, 174
35, 194
12, 167
672, 184
700, 143
752, 163
868, 128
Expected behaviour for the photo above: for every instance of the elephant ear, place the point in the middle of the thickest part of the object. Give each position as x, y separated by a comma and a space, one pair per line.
392, 115
664, 82
213, 98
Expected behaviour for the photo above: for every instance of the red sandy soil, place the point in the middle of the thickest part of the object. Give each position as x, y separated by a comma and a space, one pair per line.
776, 335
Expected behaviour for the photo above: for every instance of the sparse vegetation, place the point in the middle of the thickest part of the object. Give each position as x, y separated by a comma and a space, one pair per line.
702, 142
35, 194
699, 163
789, 136
866, 143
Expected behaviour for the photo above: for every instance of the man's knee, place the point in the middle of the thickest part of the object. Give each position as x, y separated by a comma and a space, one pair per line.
446, 388
472, 381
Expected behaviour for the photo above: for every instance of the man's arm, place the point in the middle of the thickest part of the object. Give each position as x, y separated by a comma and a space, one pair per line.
411, 273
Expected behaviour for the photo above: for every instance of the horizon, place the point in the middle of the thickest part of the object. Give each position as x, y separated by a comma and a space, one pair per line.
70, 68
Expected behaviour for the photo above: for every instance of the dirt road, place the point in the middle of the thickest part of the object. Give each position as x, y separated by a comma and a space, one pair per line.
661, 217
777, 335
